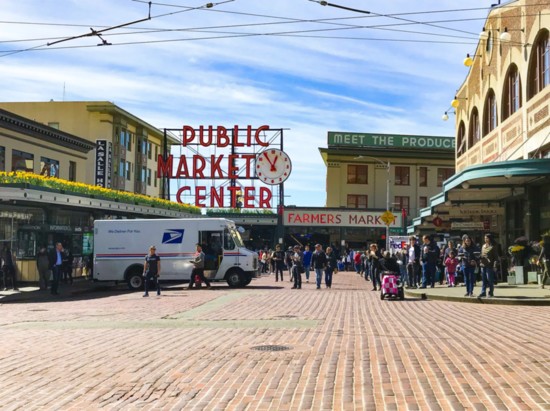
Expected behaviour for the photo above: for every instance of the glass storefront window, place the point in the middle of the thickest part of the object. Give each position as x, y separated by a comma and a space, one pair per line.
49, 167
21, 161
2, 158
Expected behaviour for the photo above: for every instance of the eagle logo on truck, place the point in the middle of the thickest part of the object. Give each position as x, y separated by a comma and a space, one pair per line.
172, 236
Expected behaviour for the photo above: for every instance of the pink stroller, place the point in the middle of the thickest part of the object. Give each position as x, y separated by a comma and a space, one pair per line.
391, 286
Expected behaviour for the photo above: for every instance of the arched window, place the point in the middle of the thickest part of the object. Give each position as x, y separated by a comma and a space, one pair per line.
474, 133
490, 119
511, 98
539, 66
461, 140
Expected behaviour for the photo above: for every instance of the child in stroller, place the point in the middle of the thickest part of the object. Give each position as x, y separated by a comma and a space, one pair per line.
391, 278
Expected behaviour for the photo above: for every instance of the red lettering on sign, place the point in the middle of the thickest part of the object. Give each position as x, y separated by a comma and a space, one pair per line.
164, 169
249, 197
330, 219
216, 197
265, 198
259, 141
188, 135
249, 159
338, 218
215, 166
182, 168
204, 141
223, 139
198, 166
200, 196
232, 169
179, 194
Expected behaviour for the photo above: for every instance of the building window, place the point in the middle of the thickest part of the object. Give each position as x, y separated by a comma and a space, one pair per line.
156, 151
474, 135
126, 139
461, 140
2, 158
122, 168
128, 165
357, 201
422, 202
512, 93
444, 174
357, 174
149, 177
539, 67
155, 180
423, 177
490, 113
21, 161
143, 175
402, 176
72, 171
402, 202
49, 167
149, 150
54, 125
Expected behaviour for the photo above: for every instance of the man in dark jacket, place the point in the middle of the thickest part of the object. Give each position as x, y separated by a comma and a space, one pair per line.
8, 267
279, 260
429, 253
413, 263
319, 263
56, 265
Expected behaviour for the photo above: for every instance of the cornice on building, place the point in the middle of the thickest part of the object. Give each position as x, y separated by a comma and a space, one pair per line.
14, 122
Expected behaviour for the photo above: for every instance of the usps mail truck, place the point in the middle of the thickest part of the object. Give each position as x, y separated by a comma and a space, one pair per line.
120, 247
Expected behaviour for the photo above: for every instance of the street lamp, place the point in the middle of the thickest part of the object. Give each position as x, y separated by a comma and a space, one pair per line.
387, 166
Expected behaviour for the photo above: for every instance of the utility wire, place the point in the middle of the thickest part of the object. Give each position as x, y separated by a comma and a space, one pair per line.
287, 21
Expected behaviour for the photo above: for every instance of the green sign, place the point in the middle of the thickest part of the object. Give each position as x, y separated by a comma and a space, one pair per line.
336, 138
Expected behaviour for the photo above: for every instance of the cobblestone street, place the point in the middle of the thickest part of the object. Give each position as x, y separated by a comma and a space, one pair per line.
268, 347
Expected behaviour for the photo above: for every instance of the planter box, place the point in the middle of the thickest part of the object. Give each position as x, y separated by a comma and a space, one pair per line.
519, 275
511, 280
532, 277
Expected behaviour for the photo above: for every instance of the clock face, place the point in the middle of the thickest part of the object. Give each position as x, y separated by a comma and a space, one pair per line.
273, 166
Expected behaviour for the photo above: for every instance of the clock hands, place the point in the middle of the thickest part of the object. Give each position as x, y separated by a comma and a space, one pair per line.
272, 163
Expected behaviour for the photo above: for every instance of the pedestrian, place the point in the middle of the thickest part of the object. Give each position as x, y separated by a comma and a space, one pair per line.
151, 270
43, 267
389, 263
488, 261
451, 262
56, 265
365, 264
278, 259
307, 261
357, 262
544, 259
288, 262
319, 262
401, 257
450, 247
331, 267
297, 267
374, 262
8, 267
429, 255
198, 263
413, 263
67, 266
468, 261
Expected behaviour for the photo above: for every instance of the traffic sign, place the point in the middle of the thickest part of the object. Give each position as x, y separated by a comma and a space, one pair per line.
387, 217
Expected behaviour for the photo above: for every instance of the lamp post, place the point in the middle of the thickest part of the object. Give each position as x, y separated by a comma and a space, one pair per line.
387, 166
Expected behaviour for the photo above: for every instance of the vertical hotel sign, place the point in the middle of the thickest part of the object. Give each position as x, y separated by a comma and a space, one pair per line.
103, 161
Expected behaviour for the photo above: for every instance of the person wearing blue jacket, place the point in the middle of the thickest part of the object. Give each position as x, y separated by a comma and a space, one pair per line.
429, 253
307, 261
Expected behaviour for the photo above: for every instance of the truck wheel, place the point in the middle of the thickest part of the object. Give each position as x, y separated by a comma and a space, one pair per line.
235, 279
246, 282
135, 280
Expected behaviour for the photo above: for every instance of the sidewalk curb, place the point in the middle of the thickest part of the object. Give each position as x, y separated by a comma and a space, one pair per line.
475, 300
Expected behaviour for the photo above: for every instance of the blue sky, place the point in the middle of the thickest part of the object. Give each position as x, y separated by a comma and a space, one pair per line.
375, 73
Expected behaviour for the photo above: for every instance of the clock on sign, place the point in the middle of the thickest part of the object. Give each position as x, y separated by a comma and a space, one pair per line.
273, 166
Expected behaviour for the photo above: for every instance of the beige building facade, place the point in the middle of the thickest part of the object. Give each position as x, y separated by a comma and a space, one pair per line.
362, 167
132, 145
502, 109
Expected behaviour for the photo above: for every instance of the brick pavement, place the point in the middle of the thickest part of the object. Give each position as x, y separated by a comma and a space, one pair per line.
347, 350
